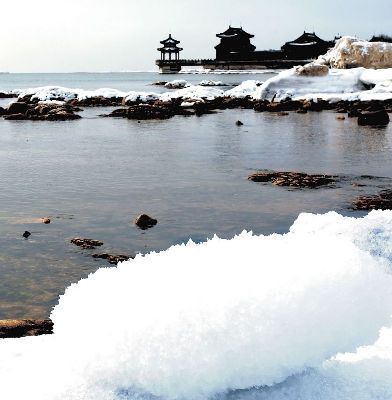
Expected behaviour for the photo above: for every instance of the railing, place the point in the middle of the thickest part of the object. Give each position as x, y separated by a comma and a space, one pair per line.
184, 62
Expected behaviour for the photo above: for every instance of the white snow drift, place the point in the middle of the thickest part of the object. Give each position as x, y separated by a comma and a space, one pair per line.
199, 320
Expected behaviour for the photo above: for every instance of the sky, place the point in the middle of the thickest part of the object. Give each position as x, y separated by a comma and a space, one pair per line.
123, 35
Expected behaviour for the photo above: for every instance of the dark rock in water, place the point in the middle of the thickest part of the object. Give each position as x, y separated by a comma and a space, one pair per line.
6, 95
239, 123
144, 221
40, 112
16, 117
159, 83
46, 220
119, 112
293, 179
282, 113
382, 201
13, 328
353, 113
26, 234
98, 101
113, 258
148, 111
17, 108
302, 111
2, 111
341, 117
86, 243
379, 117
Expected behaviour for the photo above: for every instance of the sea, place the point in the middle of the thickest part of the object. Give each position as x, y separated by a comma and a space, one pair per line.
93, 176
258, 316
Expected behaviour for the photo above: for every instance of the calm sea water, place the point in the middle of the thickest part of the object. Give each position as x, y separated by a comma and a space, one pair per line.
94, 175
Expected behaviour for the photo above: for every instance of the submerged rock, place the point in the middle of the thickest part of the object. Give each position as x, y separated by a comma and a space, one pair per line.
144, 221
86, 243
239, 123
379, 117
113, 258
26, 234
382, 201
46, 220
14, 328
148, 111
293, 179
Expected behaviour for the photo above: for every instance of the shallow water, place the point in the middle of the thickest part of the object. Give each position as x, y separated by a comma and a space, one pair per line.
93, 176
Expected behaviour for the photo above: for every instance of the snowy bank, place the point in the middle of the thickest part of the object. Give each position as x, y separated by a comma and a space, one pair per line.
276, 313
338, 84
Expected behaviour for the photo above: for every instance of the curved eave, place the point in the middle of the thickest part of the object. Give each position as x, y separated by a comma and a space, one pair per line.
166, 50
170, 40
225, 35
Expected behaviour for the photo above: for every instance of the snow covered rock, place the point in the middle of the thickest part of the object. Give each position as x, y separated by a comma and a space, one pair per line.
246, 88
177, 84
206, 82
312, 69
350, 52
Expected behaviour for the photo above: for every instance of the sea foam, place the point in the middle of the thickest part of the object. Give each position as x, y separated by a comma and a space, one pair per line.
277, 317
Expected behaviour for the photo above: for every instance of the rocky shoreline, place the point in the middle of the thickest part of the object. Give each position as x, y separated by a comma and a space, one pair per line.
371, 112
16, 328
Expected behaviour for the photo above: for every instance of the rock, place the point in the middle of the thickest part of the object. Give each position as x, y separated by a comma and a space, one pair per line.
312, 69
144, 221
113, 258
382, 201
293, 179
26, 234
302, 111
282, 113
341, 117
13, 328
46, 220
86, 243
119, 112
148, 111
16, 117
17, 108
177, 84
98, 101
7, 95
159, 83
40, 112
239, 123
350, 52
379, 117
353, 113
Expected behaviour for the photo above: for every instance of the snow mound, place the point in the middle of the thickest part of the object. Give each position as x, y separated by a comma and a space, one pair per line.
338, 84
48, 93
177, 84
207, 82
193, 94
351, 52
245, 89
199, 320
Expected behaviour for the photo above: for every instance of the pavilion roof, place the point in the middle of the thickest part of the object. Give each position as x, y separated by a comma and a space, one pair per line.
306, 38
170, 41
233, 32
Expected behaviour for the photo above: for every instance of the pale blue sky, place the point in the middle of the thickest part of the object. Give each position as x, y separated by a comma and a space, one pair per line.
118, 35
